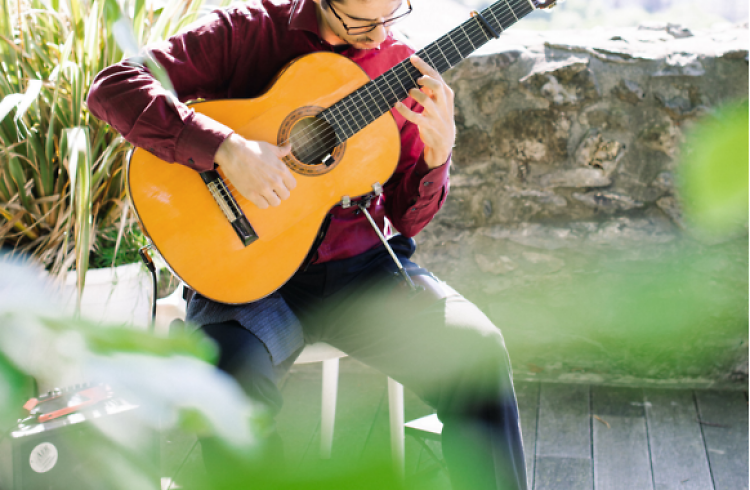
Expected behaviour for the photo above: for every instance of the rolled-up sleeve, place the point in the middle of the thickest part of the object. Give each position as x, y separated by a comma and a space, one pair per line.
131, 99
415, 193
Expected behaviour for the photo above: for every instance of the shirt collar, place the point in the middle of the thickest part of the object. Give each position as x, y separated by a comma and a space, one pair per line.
304, 17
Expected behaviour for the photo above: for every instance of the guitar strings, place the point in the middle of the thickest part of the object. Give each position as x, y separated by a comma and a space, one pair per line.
476, 29
325, 141
318, 143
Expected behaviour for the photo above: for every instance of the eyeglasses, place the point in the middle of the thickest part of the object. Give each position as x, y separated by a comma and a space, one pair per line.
369, 27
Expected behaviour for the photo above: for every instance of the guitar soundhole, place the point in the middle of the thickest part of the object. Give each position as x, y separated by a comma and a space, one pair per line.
314, 144
313, 141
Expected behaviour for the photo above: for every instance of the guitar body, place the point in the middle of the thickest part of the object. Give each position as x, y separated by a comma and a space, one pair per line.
188, 227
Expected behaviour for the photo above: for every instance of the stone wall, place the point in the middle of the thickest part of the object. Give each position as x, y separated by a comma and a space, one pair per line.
563, 222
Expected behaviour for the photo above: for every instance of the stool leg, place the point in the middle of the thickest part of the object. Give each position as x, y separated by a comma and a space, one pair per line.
328, 408
396, 410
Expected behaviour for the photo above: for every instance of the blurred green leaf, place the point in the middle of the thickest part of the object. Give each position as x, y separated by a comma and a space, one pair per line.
79, 167
13, 393
714, 173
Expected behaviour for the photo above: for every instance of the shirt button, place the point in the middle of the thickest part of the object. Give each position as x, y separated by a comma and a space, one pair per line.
191, 161
413, 209
426, 184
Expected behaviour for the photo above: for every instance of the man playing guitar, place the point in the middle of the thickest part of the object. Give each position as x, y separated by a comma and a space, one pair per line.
347, 293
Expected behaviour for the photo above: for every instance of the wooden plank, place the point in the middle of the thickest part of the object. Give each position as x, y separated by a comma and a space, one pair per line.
563, 445
557, 473
678, 454
620, 444
724, 424
564, 421
527, 396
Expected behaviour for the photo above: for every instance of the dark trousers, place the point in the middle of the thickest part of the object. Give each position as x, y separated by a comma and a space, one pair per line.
434, 342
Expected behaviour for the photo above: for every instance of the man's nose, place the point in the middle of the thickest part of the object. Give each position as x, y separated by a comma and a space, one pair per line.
379, 34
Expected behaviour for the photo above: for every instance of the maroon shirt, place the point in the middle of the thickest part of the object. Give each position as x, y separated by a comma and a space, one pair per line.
235, 54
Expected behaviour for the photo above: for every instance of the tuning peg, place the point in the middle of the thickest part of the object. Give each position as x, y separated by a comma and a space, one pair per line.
547, 4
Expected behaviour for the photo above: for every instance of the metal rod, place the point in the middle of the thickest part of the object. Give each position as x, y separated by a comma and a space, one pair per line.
401, 269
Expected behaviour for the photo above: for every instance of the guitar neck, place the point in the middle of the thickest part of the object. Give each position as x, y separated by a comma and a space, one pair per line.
363, 106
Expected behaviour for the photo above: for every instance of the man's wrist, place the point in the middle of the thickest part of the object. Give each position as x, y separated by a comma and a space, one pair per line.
224, 152
434, 160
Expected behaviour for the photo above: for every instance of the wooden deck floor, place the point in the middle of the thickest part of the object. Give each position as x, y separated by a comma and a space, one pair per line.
577, 437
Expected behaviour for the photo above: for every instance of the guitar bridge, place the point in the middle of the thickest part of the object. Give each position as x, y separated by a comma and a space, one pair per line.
229, 207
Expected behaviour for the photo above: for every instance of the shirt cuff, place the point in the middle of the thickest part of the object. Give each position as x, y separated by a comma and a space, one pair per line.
431, 181
199, 140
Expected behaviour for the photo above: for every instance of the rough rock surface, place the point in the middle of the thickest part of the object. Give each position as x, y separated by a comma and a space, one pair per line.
563, 177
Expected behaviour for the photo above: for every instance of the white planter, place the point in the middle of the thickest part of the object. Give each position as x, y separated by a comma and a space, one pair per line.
113, 296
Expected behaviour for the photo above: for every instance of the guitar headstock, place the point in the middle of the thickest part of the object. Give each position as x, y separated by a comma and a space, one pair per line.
544, 4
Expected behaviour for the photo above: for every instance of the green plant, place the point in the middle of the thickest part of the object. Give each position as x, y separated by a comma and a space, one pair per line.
62, 190
714, 174
110, 252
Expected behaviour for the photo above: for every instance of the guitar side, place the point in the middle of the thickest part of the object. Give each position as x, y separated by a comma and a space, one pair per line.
188, 228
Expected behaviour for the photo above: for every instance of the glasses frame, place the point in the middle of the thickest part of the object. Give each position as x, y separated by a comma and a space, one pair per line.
369, 27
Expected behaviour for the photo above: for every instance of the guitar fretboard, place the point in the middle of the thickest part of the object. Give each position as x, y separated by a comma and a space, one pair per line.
363, 106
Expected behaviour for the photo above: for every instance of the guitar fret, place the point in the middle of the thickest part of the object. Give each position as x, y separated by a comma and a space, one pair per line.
437, 45
435, 59
482, 28
500, 24
413, 72
406, 92
429, 58
346, 120
481, 33
367, 87
406, 66
390, 86
511, 10
467, 37
425, 55
367, 106
350, 100
331, 122
385, 81
455, 47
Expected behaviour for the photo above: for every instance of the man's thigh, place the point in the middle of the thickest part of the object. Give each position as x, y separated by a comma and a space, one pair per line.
430, 341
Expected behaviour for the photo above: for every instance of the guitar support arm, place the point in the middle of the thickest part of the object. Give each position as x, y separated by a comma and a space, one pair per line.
363, 205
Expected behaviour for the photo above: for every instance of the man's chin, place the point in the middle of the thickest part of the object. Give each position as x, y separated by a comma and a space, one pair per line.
366, 45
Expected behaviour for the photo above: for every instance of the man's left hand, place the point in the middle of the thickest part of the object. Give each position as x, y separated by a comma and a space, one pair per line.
436, 126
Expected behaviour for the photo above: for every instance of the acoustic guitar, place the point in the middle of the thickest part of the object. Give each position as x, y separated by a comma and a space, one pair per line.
345, 144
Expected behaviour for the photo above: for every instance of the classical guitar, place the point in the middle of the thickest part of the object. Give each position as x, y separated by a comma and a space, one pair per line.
345, 144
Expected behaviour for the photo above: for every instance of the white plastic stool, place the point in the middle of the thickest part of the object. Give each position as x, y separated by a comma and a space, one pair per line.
173, 307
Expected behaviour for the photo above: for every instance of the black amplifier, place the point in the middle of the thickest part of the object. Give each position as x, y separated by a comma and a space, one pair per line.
80, 438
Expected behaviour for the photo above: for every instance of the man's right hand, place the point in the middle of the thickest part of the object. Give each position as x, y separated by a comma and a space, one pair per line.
255, 169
